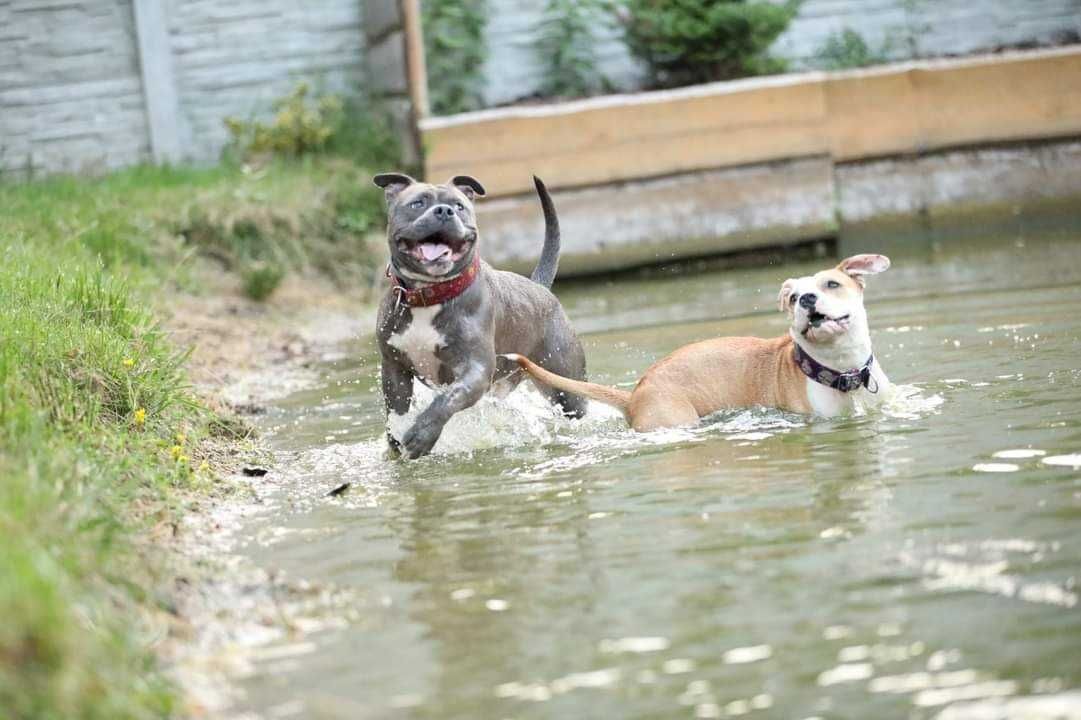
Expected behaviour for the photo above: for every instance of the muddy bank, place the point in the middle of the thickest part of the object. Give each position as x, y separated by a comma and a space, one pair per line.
245, 353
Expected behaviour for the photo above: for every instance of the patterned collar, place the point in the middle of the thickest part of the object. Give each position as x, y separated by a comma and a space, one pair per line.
435, 293
846, 381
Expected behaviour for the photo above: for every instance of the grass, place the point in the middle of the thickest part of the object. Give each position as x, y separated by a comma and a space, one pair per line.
92, 399
303, 215
100, 433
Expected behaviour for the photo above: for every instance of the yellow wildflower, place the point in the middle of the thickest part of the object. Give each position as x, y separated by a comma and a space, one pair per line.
176, 451
139, 417
129, 362
204, 466
182, 459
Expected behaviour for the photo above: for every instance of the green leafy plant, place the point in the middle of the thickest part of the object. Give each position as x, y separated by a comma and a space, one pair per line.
454, 41
301, 125
683, 42
566, 47
261, 278
847, 49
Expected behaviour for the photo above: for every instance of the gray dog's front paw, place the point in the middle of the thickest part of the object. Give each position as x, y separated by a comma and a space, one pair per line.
421, 438
394, 448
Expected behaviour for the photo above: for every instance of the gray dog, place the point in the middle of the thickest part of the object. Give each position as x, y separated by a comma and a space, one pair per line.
449, 314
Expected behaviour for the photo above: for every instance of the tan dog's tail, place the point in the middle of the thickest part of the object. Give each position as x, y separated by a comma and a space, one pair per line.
601, 393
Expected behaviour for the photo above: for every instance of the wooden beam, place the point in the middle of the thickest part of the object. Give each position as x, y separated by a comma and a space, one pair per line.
414, 55
159, 84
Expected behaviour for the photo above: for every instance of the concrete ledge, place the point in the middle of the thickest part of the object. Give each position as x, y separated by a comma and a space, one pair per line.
698, 214
868, 205
974, 192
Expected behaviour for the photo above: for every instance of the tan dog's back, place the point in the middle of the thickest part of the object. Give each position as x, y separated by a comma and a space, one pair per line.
697, 380
712, 375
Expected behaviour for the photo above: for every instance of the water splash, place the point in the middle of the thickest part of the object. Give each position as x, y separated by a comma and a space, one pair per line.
523, 417
908, 402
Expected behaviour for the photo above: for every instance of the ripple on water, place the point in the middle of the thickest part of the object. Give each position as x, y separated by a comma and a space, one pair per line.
1060, 706
996, 467
634, 645
1019, 454
986, 571
1073, 460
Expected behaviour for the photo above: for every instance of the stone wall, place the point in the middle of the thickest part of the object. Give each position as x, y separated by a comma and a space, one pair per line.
514, 69
908, 29
237, 57
897, 29
71, 96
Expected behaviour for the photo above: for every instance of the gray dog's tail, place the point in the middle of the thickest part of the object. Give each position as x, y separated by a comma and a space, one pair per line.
545, 272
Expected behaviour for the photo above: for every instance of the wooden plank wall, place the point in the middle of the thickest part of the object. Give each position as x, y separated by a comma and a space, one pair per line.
894, 110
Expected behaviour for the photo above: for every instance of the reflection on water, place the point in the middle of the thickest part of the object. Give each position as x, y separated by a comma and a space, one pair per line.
920, 561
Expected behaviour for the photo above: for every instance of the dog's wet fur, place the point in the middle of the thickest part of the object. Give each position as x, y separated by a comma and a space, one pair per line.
432, 236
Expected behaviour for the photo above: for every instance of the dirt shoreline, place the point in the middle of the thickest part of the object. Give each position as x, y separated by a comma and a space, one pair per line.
244, 355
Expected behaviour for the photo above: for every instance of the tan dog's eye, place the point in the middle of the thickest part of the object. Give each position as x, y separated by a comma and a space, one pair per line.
833, 285
792, 298
461, 208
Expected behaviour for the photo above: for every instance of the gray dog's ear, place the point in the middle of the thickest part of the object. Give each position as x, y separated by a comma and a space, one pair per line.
392, 183
469, 186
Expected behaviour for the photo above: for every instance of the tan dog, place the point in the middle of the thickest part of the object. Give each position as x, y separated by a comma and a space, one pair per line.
822, 366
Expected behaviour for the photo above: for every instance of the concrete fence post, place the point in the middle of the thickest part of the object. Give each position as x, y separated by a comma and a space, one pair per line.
159, 83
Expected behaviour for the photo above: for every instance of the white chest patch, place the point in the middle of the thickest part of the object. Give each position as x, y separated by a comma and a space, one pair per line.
827, 402
420, 341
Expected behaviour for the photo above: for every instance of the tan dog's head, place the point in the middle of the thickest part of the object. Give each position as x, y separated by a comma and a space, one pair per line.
828, 306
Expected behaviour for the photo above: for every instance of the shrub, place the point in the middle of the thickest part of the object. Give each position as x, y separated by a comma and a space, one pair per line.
261, 278
454, 41
300, 125
684, 42
847, 49
566, 45
310, 214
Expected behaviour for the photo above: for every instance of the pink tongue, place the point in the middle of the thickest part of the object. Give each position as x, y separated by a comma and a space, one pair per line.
432, 251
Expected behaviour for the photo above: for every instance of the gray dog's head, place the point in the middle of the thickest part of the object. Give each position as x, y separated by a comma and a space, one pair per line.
431, 229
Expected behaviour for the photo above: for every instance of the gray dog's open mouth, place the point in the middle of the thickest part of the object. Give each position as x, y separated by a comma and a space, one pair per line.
436, 247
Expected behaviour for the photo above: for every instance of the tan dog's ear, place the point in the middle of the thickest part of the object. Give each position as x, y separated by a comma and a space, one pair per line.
469, 186
859, 266
782, 297
392, 184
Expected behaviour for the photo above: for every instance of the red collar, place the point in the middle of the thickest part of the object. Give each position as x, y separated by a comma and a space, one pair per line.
436, 293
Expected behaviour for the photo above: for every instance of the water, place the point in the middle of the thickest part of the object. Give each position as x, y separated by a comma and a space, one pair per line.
919, 560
